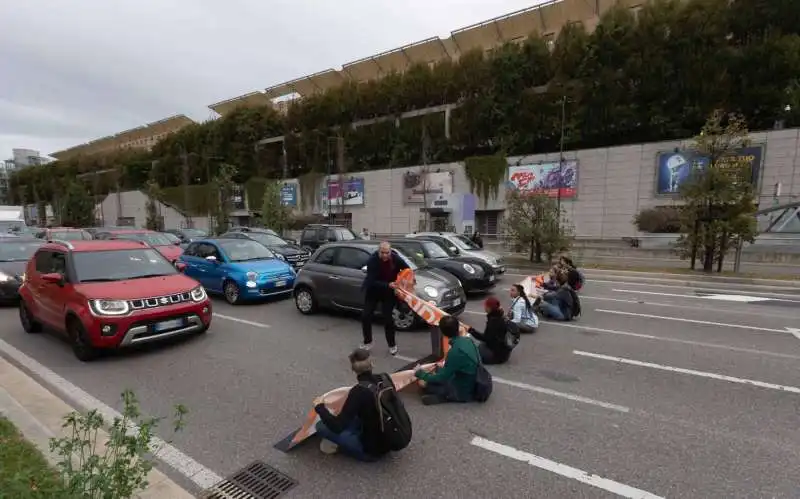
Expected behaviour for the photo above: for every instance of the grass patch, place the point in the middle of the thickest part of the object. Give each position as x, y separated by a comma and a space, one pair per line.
24, 471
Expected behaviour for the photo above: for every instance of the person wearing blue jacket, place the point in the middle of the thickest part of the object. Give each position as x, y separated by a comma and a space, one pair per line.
382, 269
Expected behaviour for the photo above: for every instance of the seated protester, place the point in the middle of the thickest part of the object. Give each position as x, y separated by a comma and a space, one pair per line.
567, 264
356, 430
521, 311
552, 283
493, 348
562, 304
455, 381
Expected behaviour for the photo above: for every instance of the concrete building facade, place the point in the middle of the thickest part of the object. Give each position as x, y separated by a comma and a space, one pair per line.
129, 209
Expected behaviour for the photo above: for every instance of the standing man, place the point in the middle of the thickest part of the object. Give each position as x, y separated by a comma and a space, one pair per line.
378, 287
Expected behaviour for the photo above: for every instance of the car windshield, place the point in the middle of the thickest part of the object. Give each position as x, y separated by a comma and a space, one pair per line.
171, 237
120, 265
463, 242
152, 238
346, 234
243, 250
434, 250
14, 227
70, 235
415, 262
196, 233
266, 239
11, 251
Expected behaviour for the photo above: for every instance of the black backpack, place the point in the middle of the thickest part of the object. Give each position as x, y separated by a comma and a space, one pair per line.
483, 380
395, 422
512, 335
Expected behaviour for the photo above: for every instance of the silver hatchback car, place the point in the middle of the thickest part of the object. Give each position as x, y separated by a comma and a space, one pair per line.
333, 276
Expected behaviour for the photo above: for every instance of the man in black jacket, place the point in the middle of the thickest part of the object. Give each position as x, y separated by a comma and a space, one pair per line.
356, 430
378, 287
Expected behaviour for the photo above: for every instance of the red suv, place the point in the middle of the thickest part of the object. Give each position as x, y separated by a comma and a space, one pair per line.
109, 294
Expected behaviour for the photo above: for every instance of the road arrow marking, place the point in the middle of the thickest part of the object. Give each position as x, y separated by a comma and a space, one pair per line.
795, 332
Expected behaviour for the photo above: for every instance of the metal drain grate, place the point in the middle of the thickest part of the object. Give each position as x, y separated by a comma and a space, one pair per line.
256, 481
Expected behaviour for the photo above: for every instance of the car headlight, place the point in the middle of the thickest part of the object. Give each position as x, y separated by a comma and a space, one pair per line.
280, 257
431, 291
198, 293
469, 268
109, 307
5, 277
252, 276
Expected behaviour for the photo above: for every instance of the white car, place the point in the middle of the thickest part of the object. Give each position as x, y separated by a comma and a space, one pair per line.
463, 245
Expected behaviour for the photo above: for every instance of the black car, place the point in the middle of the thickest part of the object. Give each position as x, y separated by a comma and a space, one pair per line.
14, 255
188, 235
294, 255
474, 274
315, 235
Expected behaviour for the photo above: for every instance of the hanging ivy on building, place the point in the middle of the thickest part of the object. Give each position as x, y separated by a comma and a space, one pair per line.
254, 190
485, 173
310, 184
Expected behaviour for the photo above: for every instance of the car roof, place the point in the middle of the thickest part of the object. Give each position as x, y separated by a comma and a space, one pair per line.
96, 245
17, 239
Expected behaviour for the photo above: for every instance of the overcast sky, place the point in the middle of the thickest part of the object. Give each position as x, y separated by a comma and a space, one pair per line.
76, 70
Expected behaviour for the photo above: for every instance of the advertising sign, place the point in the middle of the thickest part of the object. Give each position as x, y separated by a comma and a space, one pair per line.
674, 168
351, 192
545, 178
289, 195
418, 185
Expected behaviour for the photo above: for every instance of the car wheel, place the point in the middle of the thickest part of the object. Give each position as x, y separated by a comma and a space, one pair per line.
404, 320
81, 346
304, 300
29, 324
231, 292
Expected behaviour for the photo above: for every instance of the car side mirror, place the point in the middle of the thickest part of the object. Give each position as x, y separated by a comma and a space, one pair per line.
177, 243
212, 259
364, 269
180, 266
455, 250
54, 278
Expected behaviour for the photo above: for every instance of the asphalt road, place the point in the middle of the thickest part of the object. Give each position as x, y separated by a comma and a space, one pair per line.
668, 394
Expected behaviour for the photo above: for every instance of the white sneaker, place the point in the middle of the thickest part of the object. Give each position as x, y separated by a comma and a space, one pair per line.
328, 447
393, 351
365, 346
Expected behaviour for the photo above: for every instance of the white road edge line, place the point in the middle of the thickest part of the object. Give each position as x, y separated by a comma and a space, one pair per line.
243, 321
693, 321
197, 473
548, 391
669, 340
617, 488
704, 374
710, 296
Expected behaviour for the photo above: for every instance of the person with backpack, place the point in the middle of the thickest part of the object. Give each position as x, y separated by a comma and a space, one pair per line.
521, 311
562, 304
497, 340
373, 420
456, 380
567, 264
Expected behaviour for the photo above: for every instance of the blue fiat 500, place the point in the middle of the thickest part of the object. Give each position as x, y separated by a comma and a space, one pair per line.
238, 269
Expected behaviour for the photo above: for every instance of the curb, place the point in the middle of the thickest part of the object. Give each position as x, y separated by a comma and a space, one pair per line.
39, 415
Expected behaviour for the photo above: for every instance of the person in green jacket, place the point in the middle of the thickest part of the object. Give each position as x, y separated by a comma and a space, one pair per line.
455, 381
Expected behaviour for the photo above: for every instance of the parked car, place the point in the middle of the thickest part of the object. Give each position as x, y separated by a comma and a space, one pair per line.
291, 253
64, 234
333, 276
239, 269
474, 273
14, 255
188, 235
95, 230
315, 235
462, 245
109, 295
159, 241
241, 228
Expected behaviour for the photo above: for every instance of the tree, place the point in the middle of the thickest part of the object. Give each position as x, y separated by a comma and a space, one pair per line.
274, 214
719, 197
533, 221
77, 208
154, 219
224, 184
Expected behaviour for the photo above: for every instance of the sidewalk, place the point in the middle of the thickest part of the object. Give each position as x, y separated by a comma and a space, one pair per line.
39, 414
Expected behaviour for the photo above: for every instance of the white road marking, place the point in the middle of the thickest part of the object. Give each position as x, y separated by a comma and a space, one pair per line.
668, 339
243, 321
693, 321
197, 473
795, 332
547, 391
735, 298
617, 488
770, 314
700, 289
739, 298
704, 374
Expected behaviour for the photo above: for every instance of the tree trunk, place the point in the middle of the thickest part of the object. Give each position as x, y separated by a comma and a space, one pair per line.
708, 260
694, 243
533, 251
538, 246
723, 247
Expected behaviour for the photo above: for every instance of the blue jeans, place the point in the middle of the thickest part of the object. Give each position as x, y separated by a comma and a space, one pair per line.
550, 308
349, 440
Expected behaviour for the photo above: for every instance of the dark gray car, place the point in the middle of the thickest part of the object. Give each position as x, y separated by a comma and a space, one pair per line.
14, 255
333, 276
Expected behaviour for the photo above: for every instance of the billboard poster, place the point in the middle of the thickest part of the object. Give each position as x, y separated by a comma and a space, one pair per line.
418, 185
673, 168
350, 193
545, 178
289, 195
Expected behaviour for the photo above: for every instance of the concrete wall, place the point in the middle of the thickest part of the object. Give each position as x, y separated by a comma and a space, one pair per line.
613, 185
134, 204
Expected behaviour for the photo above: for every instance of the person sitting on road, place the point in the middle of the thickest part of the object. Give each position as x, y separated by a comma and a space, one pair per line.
493, 348
378, 287
356, 430
455, 381
562, 304
552, 283
566, 263
521, 311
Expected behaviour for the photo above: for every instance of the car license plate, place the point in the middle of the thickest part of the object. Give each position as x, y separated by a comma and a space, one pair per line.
300, 264
173, 324
491, 278
280, 284
457, 302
